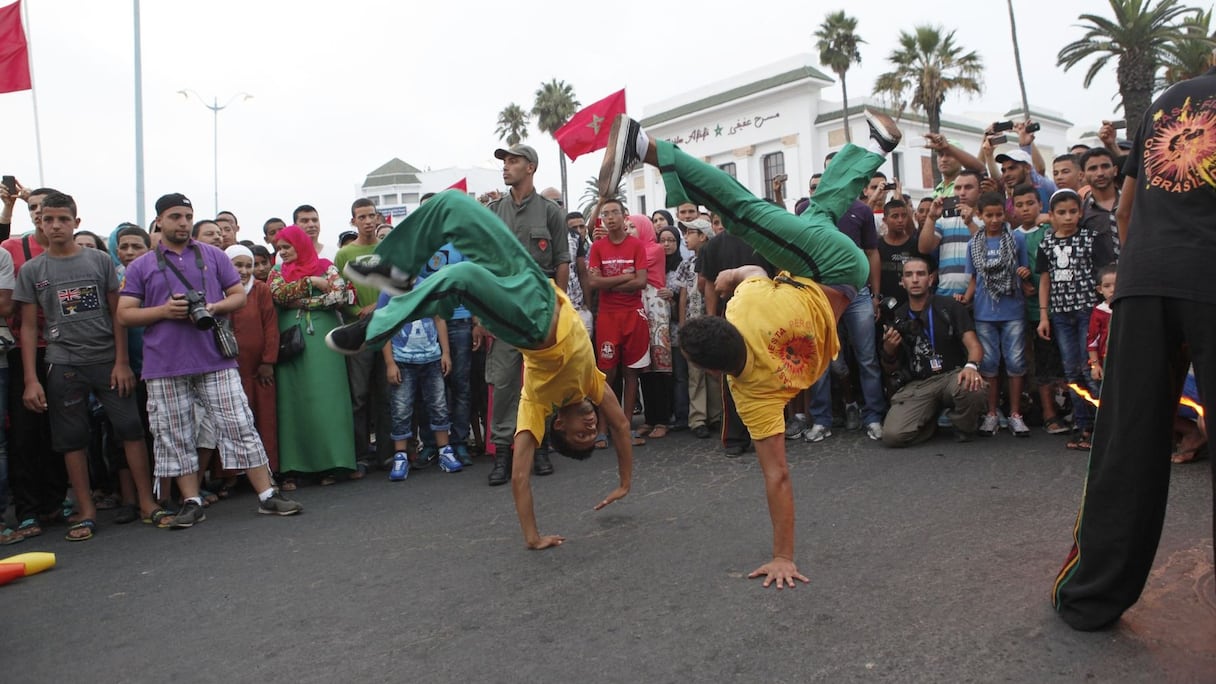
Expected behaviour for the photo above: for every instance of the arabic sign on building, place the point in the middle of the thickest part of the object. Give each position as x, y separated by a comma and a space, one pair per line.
719, 130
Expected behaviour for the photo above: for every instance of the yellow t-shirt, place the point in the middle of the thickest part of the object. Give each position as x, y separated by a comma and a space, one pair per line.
562, 374
790, 333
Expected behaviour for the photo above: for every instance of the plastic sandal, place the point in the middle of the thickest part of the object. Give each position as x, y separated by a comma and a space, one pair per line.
88, 525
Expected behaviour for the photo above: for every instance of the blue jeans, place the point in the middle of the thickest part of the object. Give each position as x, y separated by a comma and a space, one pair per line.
679, 371
427, 378
460, 344
858, 322
1069, 331
1003, 340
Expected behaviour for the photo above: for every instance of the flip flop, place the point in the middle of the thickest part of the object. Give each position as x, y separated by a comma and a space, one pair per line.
659, 432
601, 441
87, 525
29, 528
10, 536
160, 517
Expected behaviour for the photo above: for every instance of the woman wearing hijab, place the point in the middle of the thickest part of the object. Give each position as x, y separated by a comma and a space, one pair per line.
316, 421
670, 240
657, 394
256, 326
662, 219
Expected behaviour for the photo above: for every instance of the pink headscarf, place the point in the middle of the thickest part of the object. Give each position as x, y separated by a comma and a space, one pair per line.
307, 263
656, 258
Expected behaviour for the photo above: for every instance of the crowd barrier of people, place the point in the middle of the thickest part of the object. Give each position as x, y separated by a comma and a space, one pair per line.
985, 307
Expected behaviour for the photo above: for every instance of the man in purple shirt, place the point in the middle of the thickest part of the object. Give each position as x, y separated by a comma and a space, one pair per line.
183, 364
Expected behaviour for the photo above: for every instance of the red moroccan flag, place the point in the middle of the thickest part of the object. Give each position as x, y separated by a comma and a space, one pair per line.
461, 185
14, 54
587, 130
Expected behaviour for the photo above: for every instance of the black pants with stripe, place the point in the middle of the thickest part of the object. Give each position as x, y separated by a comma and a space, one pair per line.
1153, 340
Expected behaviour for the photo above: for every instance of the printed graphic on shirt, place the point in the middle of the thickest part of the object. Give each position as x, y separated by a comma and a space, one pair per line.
78, 300
792, 351
1071, 264
1181, 154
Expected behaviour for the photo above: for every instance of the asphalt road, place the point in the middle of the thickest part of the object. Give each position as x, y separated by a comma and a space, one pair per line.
927, 564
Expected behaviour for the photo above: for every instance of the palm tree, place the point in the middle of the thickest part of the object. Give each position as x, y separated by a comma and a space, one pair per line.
591, 196
1138, 38
837, 42
1017, 60
928, 66
1191, 56
512, 124
555, 104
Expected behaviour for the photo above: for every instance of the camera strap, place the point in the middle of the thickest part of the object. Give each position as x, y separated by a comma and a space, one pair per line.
928, 325
162, 262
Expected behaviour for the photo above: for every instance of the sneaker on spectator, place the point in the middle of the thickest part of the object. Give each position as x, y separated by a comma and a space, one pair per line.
462, 453
448, 462
989, 425
852, 416
278, 504
192, 512
427, 457
874, 431
1017, 425
817, 433
795, 427
372, 271
401, 467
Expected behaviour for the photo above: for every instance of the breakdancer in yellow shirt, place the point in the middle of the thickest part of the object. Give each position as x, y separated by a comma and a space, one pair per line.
779, 334
501, 284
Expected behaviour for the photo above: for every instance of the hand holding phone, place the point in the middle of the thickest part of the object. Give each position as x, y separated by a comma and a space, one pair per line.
10, 184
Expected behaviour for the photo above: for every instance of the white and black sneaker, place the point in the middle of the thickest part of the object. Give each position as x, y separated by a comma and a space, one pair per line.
883, 130
349, 339
372, 271
621, 154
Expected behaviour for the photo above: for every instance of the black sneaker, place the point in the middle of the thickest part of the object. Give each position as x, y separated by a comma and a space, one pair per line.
621, 154
278, 504
349, 339
375, 272
882, 129
190, 514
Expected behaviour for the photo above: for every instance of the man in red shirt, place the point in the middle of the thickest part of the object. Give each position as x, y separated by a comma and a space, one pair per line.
617, 268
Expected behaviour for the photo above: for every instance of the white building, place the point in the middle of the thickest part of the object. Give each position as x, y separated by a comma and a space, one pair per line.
396, 186
774, 120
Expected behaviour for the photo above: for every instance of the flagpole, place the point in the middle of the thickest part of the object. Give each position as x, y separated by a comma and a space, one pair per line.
33, 89
140, 202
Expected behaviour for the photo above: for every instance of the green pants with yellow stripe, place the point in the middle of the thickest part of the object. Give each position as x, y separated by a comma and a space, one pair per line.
808, 245
499, 282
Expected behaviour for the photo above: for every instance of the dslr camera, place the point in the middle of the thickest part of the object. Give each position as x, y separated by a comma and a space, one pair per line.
196, 303
906, 327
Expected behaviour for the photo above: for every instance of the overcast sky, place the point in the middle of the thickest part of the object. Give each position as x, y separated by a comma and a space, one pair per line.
341, 87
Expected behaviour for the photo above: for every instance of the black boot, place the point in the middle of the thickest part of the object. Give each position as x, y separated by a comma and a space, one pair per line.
501, 474
541, 465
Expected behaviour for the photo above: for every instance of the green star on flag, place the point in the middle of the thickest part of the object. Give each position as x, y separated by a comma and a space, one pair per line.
596, 120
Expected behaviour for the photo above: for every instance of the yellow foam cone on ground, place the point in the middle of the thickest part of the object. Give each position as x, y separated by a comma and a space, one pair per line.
35, 562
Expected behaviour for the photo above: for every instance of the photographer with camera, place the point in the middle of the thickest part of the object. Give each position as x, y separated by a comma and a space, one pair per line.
931, 356
177, 293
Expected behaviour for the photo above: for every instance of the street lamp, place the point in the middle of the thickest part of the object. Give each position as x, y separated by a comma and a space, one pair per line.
215, 108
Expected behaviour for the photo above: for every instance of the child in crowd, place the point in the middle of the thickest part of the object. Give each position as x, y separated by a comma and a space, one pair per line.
1068, 259
262, 263
418, 358
256, 326
996, 265
1099, 326
1044, 354
704, 390
77, 291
